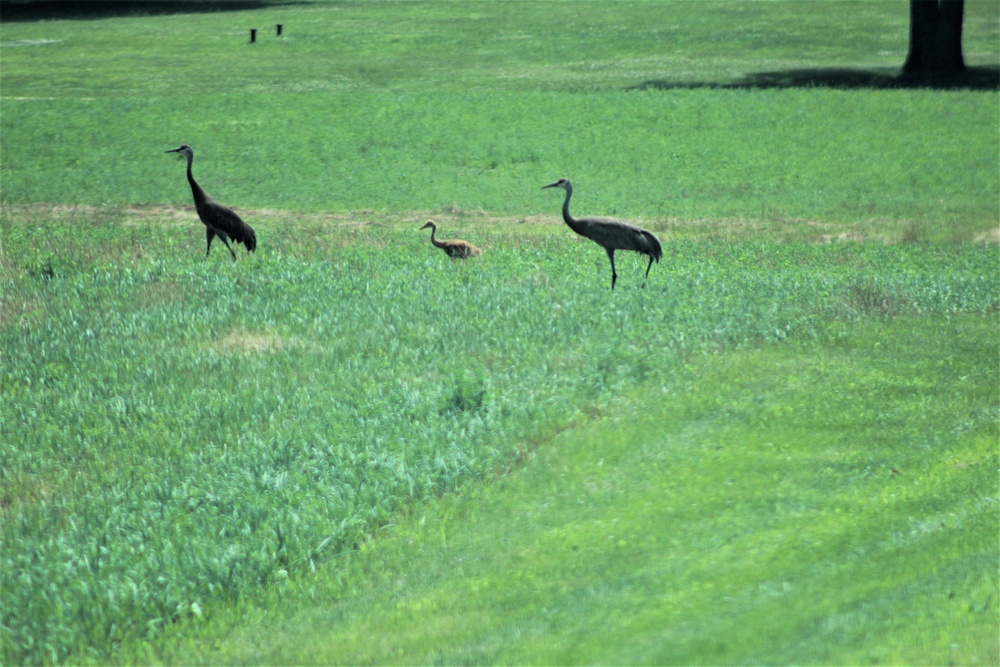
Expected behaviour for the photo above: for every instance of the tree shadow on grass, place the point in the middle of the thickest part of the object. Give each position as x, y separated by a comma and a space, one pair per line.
79, 10
972, 78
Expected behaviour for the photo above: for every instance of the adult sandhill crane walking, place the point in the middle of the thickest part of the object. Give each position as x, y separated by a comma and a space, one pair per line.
611, 234
456, 249
219, 220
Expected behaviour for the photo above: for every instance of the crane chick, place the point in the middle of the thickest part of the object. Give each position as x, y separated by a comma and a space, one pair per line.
219, 220
611, 234
456, 249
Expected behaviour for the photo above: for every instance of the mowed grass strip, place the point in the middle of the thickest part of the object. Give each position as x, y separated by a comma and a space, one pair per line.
334, 47
827, 503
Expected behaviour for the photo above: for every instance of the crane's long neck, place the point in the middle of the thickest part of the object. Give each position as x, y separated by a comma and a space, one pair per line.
573, 223
199, 195
434, 240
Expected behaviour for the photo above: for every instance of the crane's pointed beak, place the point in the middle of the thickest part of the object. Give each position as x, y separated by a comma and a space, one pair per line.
550, 185
174, 150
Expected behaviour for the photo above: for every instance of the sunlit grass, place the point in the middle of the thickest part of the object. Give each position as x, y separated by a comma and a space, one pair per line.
502, 45
415, 106
809, 504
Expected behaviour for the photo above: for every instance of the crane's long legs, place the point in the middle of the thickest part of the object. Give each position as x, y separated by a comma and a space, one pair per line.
228, 247
614, 274
211, 234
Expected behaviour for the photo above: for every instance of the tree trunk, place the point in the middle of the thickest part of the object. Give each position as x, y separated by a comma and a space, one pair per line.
935, 37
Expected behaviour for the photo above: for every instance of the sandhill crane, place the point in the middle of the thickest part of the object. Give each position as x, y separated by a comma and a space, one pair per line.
455, 249
611, 234
219, 220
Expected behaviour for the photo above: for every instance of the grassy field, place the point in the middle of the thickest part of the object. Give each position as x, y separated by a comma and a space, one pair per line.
413, 106
180, 433
783, 449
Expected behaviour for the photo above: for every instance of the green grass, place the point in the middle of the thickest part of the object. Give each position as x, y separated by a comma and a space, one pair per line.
188, 445
829, 503
423, 106
503, 45
180, 432
780, 158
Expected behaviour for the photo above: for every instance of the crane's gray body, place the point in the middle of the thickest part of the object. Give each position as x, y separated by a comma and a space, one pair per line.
617, 235
611, 234
219, 220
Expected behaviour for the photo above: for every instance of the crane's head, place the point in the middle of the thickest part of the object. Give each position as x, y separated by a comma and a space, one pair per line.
561, 183
184, 149
430, 223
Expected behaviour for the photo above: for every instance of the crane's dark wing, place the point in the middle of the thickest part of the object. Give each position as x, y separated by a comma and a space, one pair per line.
226, 220
620, 235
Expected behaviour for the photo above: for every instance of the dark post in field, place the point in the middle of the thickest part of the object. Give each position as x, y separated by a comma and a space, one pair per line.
279, 28
253, 35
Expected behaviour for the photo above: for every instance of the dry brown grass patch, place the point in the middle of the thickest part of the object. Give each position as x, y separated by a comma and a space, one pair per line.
992, 236
251, 343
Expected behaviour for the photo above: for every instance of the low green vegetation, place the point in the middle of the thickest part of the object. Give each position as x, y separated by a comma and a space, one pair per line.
338, 48
783, 449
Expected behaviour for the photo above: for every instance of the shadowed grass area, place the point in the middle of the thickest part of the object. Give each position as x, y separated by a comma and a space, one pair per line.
95, 10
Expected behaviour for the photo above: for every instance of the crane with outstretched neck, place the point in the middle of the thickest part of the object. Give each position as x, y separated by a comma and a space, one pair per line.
219, 220
610, 234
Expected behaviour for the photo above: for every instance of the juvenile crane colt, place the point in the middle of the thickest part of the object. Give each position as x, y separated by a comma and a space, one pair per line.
456, 249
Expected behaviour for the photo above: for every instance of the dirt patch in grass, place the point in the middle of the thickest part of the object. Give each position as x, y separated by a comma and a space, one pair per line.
25, 489
251, 343
239, 341
992, 236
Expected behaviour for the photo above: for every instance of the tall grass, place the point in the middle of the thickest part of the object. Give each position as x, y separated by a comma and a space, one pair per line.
178, 430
